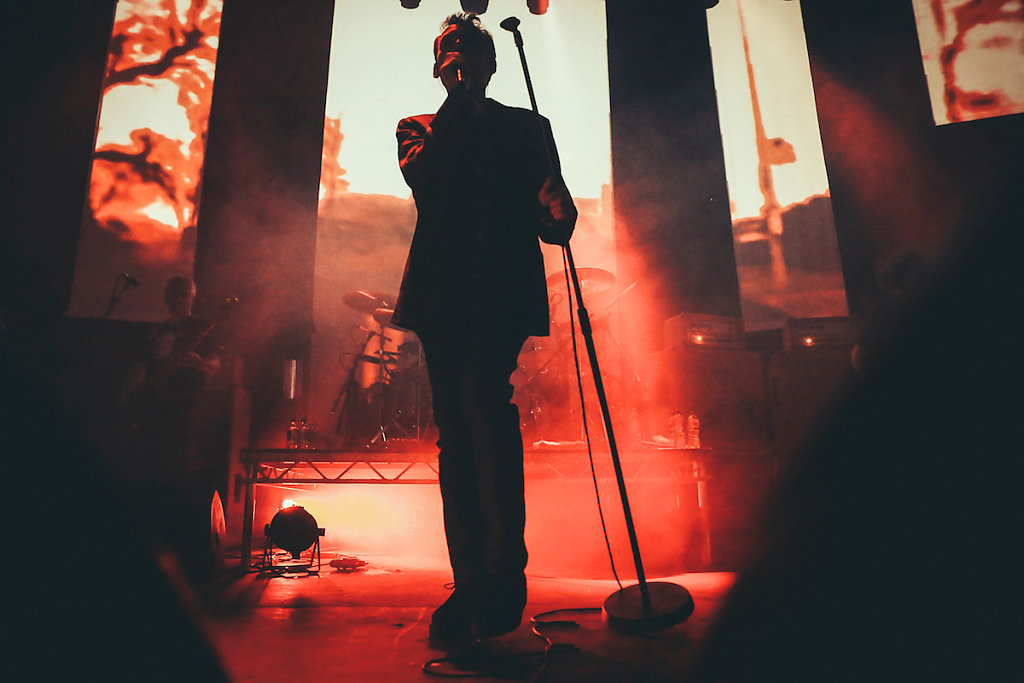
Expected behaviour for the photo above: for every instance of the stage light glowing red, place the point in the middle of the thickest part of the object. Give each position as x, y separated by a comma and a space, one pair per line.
293, 529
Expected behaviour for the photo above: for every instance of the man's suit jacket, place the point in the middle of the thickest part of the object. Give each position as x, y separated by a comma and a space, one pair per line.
475, 262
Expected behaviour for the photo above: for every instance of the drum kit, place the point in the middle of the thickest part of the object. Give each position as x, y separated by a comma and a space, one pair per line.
386, 396
545, 382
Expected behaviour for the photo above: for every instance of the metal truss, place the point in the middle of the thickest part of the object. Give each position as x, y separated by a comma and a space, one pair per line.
300, 466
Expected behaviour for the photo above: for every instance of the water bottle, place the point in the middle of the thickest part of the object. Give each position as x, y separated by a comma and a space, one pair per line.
292, 440
692, 430
677, 428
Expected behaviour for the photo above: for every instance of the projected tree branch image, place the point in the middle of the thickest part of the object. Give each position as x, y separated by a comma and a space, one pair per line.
143, 199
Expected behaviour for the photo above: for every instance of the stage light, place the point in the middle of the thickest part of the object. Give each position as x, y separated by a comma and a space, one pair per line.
294, 530
537, 6
410, 4
474, 6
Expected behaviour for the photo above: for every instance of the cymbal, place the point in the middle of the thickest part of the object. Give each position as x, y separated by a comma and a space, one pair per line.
383, 315
592, 280
387, 356
368, 302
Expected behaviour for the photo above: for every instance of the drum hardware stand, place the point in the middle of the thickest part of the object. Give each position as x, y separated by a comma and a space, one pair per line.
348, 395
564, 354
418, 393
644, 606
347, 392
383, 378
618, 347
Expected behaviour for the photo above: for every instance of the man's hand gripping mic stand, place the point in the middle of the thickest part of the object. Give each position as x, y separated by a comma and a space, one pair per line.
646, 606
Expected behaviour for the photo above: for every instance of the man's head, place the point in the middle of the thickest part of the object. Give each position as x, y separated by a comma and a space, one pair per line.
465, 43
180, 294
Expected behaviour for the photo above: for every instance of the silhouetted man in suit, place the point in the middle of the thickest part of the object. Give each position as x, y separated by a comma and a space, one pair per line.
473, 291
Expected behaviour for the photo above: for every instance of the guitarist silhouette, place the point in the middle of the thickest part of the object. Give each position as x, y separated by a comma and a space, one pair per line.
181, 353
169, 479
160, 394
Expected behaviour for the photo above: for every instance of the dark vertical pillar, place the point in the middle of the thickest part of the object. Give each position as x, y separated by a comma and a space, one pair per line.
671, 200
53, 83
258, 211
898, 181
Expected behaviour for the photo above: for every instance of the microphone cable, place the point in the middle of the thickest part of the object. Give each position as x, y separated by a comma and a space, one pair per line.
583, 415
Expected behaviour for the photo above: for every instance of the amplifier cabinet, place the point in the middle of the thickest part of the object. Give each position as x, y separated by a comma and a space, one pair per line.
725, 387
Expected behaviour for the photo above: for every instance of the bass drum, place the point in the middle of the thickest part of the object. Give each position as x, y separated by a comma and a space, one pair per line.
381, 357
541, 387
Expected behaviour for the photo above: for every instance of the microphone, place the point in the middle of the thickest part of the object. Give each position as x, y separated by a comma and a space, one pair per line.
510, 24
130, 281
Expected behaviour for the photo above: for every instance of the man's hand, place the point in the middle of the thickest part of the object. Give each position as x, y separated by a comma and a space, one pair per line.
555, 198
453, 72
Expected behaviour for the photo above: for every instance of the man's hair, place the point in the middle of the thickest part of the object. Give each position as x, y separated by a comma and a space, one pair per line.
469, 22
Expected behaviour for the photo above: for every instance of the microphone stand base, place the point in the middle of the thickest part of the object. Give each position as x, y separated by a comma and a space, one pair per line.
668, 605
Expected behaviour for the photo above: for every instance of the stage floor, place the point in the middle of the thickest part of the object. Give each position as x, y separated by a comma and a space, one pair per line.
371, 624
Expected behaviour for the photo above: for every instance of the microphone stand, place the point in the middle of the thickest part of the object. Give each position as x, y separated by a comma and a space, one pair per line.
115, 295
646, 606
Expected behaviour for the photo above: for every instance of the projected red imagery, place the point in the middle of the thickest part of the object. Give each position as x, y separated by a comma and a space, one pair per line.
145, 190
973, 55
332, 184
964, 100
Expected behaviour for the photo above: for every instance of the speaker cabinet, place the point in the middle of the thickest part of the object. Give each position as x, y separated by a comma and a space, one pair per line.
725, 387
804, 385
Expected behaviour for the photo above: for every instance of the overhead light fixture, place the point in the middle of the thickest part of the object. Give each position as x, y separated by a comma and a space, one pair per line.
293, 530
410, 4
537, 6
474, 6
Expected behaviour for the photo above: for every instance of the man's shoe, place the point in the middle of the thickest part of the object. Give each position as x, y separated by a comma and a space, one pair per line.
451, 622
491, 623
500, 609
